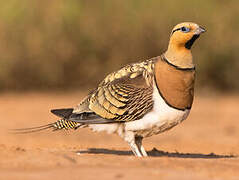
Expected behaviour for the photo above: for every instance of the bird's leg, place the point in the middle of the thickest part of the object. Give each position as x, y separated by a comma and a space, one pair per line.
135, 149
130, 138
138, 142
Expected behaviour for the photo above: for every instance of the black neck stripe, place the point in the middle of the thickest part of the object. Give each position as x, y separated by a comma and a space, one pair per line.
177, 67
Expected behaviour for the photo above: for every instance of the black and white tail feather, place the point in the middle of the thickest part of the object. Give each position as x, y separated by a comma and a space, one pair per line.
69, 120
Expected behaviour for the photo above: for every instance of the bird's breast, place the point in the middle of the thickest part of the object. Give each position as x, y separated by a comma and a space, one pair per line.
174, 85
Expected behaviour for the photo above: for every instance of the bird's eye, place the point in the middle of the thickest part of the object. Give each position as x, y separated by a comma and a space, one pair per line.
185, 29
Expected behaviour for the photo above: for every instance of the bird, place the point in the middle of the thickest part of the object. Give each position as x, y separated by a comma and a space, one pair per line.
140, 99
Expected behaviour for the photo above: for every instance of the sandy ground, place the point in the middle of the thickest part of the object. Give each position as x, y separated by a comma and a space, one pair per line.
205, 146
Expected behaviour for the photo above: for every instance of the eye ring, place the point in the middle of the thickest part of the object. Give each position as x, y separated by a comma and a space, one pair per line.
184, 29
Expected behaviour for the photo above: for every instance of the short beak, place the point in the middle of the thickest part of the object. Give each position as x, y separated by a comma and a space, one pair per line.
200, 30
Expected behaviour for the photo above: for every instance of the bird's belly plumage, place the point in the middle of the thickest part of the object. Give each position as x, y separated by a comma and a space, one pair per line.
161, 118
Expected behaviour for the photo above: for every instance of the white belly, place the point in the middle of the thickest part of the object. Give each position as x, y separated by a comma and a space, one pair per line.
161, 118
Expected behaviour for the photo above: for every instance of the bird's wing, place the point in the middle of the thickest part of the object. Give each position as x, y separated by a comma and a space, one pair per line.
125, 95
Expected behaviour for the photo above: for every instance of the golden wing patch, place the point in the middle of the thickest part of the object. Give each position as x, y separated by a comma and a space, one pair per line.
123, 99
125, 95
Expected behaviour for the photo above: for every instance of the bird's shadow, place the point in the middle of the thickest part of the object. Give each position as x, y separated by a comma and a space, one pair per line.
156, 153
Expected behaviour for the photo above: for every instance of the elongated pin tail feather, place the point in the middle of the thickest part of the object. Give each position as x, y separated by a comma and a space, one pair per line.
33, 129
58, 125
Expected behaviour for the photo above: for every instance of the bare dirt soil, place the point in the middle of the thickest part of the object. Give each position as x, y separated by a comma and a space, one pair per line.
205, 146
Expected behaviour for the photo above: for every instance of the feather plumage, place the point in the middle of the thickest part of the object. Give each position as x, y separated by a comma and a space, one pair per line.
140, 99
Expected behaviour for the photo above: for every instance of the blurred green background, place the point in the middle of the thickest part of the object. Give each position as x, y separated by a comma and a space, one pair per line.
69, 44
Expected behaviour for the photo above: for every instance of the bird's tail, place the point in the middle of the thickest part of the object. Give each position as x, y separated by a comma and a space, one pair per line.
58, 125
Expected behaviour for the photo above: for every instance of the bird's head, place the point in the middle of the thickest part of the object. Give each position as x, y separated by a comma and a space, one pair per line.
184, 34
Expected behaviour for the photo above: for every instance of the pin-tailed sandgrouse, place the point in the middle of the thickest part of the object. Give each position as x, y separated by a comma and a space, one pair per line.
141, 99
